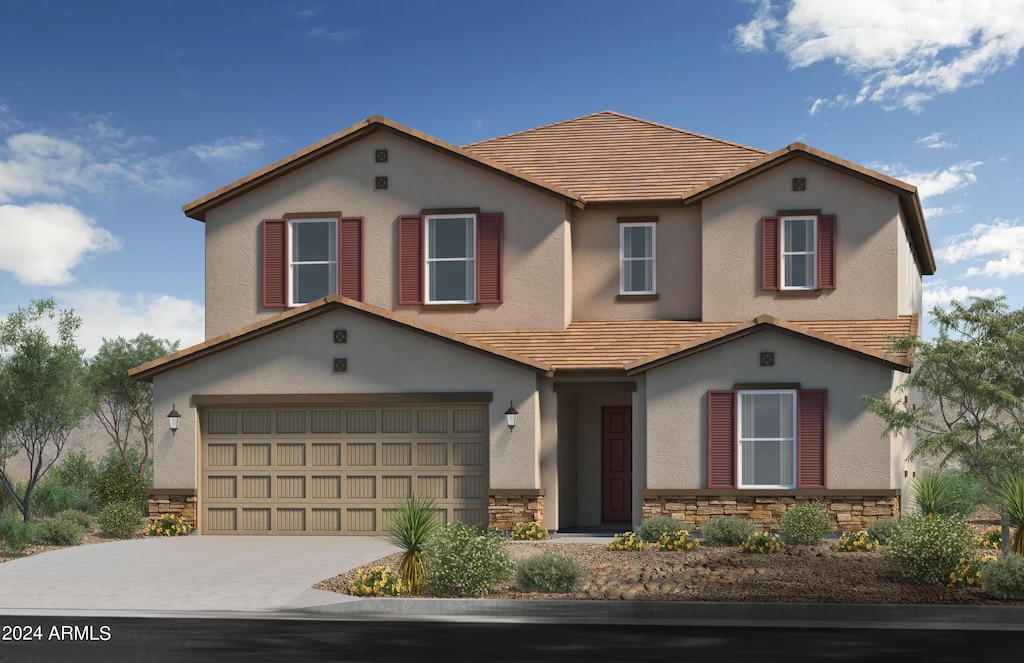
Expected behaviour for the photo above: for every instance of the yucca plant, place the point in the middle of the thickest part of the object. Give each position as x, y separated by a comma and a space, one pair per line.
413, 523
933, 494
1009, 497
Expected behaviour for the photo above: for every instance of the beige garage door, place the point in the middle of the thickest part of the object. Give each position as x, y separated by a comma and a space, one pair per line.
339, 470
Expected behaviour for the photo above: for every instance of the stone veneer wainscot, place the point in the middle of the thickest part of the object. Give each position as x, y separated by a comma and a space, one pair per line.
508, 508
181, 502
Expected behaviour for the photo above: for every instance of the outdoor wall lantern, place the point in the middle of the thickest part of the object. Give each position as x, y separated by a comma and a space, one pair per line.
173, 420
511, 416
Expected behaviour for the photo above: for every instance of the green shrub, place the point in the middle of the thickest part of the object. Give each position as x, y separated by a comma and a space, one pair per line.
651, 529
762, 543
1004, 576
728, 531
115, 483
857, 542
51, 496
551, 573
626, 541
805, 524
933, 494
883, 529
120, 520
77, 469
15, 534
531, 531
84, 520
59, 531
460, 560
677, 541
927, 549
966, 492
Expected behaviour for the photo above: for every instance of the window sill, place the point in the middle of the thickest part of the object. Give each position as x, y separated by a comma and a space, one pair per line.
799, 293
441, 308
636, 298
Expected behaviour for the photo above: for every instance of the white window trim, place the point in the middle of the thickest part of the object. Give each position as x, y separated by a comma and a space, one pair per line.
333, 287
783, 253
623, 259
740, 439
427, 260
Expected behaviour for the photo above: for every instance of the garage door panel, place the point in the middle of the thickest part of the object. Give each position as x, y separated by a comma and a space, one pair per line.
307, 477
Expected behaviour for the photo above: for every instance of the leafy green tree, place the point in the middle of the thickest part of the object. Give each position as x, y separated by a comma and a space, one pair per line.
43, 394
123, 405
971, 381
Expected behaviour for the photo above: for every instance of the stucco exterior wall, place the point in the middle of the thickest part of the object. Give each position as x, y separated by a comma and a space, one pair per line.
596, 273
857, 455
535, 233
867, 247
909, 275
382, 358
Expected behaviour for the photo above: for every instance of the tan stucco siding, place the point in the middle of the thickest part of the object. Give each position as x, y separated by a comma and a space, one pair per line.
382, 358
909, 275
857, 456
867, 247
596, 272
419, 178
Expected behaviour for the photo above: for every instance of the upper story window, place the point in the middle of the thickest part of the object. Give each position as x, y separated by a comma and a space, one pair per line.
767, 439
313, 263
799, 252
451, 259
636, 251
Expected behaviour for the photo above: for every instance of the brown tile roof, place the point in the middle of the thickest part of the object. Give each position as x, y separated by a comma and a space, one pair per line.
643, 344
608, 156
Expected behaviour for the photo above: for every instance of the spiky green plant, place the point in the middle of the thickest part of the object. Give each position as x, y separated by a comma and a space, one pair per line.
1009, 497
413, 523
933, 494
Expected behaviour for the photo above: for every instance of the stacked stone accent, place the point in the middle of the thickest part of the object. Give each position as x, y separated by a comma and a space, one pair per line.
508, 508
850, 512
163, 502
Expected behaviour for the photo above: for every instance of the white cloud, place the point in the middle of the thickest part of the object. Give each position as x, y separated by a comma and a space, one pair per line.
936, 212
232, 149
938, 293
903, 52
934, 182
42, 242
108, 314
1004, 240
934, 141
324, 35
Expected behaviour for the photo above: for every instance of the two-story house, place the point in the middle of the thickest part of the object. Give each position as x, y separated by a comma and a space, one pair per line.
679, 324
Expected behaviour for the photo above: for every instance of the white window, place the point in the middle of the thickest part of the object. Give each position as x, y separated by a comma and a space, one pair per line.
767, 439
799, 252
313, 259
636, 249
451, 259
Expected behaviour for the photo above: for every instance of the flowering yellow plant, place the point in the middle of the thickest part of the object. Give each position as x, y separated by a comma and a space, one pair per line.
762, 542
991, 538
968, 571
531, 531
376, 581
626, 541
679, 540
170, 525
857, 542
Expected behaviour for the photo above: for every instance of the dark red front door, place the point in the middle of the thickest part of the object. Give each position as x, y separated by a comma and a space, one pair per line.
617, 464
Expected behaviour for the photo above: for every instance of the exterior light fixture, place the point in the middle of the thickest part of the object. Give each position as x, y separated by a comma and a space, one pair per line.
511, 416
173, 420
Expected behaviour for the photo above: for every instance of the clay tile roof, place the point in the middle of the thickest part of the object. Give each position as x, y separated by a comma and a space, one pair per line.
613, 157
630, 344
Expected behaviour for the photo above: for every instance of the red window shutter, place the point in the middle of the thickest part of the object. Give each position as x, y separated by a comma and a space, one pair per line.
811, 438
275, 263
410, 260
350, 258
827, 252
721, 438
489, 258
770, 253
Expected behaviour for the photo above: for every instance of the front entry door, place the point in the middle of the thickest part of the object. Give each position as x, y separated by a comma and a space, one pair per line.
617, 464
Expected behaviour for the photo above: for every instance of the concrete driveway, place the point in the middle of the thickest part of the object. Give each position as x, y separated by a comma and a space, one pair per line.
187, 574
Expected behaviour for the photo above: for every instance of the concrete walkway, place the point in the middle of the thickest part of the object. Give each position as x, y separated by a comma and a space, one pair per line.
184, 574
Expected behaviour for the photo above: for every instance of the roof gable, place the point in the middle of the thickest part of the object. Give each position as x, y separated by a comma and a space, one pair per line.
610, 157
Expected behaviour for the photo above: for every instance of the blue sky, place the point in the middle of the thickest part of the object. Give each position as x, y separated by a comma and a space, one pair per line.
114, 114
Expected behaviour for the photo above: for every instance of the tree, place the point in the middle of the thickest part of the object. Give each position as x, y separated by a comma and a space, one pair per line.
43, 395
971, 380
123, 405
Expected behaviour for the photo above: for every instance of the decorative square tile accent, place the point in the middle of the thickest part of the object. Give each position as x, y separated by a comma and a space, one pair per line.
381, 183
767, 358
340, 365
341, 336
382, 156
799, 184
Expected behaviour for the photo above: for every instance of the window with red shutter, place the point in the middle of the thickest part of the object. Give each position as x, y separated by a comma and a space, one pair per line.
350, 258
812, 433
770, 253
275, 263
489, 238
721, 438
410, 260
307, 257
798, 253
